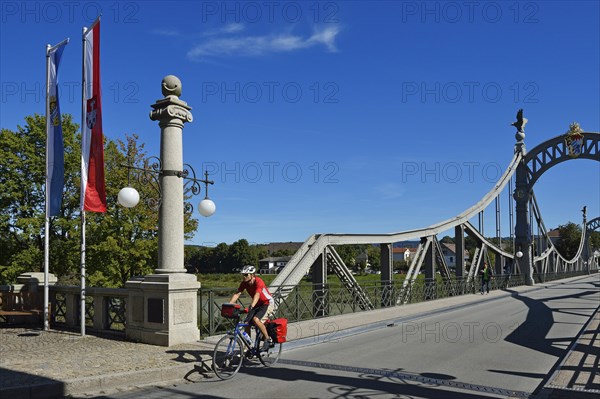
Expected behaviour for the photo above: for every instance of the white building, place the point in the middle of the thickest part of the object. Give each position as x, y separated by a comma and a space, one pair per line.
449, 251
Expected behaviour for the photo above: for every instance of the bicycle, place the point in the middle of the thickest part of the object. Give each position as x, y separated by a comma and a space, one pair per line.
236, 345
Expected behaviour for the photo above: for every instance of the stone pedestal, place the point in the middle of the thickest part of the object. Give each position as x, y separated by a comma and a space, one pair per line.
162, 309
33, 281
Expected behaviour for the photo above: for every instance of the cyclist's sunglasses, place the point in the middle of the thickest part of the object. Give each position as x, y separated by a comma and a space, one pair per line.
246, 274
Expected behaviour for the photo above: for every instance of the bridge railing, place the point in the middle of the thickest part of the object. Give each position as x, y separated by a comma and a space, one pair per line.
544, 277
307, 301
105, 307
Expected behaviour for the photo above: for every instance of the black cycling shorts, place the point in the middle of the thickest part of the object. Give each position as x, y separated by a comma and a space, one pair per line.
258, 311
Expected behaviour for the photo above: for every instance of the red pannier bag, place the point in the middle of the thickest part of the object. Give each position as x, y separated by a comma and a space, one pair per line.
277, 329
231, 310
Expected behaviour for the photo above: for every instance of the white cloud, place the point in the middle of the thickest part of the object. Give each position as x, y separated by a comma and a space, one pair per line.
227, 29
261, 45
390, 191
233, 28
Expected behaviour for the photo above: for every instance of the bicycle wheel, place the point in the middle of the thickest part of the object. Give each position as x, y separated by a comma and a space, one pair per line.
270, 356
227, 357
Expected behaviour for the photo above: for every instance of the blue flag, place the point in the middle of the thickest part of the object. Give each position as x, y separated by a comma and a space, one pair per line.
55, 159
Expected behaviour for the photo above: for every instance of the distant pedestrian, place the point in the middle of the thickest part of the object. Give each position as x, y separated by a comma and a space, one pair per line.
508, 272
485, 278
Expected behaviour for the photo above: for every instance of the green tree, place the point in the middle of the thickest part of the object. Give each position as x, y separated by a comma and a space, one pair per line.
120, 243
197, 259
569, 238
281, 252
595, 240
219, 259
374, 253
470, 245
240, 254
401, 265
447, 240
348, 253
22, 200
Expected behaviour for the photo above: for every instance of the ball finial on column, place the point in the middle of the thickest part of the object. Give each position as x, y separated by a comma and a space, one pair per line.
171, 86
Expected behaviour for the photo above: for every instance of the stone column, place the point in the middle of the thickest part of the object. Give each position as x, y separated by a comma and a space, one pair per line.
162, 308
171, 113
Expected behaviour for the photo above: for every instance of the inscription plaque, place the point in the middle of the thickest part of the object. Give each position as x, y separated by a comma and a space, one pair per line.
156, 310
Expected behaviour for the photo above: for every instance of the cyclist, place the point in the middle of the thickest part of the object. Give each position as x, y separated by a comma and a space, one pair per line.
262, 302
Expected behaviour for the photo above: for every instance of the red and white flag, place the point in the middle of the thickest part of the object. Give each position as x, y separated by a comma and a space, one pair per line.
93, 187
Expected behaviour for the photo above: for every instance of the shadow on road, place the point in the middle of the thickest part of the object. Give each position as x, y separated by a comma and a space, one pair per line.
17, 384
533, 331
373, 383
201, 359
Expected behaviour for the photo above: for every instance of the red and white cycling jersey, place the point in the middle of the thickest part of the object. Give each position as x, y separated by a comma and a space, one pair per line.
258, 286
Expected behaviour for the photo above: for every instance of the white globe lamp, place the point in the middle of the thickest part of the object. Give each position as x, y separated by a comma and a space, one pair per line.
206, 207
519, 254
128, 197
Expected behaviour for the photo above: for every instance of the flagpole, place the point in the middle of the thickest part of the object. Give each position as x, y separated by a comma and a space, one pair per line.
83, 110
51, 88
47, 219
87, 95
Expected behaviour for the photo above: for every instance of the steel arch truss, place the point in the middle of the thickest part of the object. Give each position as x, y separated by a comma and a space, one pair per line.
593, 225
557, 150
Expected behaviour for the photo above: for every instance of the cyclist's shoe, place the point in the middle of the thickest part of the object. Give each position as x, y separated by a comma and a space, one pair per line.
268, 344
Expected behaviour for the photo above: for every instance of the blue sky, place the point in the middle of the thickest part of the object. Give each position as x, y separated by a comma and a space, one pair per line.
332, 117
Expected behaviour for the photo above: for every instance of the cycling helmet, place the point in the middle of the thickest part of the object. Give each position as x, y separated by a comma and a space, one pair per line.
248, 269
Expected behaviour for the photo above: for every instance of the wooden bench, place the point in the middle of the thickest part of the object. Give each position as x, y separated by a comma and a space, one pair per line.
24, 305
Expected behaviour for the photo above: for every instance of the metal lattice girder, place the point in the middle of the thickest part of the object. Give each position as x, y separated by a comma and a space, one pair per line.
413, 271
440, 259
476, 256
416, 262
341, 270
